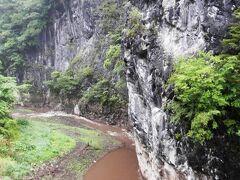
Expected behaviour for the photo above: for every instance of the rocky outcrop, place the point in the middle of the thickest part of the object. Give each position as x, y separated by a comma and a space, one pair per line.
70, 28
173, 29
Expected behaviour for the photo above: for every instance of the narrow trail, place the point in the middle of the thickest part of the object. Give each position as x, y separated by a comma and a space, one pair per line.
120, 163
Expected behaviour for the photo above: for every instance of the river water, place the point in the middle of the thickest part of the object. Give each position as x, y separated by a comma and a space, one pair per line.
120, 164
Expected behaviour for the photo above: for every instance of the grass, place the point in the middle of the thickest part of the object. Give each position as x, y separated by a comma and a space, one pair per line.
98, 143
42, 139
79, 167
92, 138
36, 144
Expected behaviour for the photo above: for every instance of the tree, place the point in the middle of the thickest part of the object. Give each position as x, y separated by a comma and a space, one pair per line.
20, 23
8, 93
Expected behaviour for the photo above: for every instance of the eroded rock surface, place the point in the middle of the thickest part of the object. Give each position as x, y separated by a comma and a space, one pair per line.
173, 29
71, 27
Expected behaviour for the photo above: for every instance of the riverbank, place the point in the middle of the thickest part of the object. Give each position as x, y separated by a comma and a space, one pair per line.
76, 163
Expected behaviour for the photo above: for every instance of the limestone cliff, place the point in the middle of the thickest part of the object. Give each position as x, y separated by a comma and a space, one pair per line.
71, 27
173, 29
73, 40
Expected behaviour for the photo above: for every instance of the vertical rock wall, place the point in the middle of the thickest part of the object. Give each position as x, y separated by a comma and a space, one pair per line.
174, 29
71, 26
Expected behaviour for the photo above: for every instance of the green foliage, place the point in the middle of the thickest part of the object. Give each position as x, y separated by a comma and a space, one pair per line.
22, 122
7, 89
135, 25
23, 93
178, 136
86, 72
36, 144
62, 84
55, 74
207, 95
76, 59
115, 38
121, 84
8, 92
102, 93
231, 43
1, 67
115, 64
119, 67
111, 22
198, 89
113, 54
20, 23
67, 85
207, 91
110, 14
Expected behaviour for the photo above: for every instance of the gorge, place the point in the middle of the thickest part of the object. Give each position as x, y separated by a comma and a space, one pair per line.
111, 53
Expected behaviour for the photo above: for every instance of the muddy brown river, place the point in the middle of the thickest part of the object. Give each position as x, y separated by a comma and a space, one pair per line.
120, 164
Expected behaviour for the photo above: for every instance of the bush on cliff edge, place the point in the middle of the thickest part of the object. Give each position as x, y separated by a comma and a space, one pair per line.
207, 90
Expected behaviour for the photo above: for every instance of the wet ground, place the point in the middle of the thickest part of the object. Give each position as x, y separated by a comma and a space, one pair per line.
118, 163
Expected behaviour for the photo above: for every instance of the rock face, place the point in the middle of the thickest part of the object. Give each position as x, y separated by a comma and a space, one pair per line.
174, 28
71, 28
71, 41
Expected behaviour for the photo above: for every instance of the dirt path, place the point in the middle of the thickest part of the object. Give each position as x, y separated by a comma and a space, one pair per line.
117, 164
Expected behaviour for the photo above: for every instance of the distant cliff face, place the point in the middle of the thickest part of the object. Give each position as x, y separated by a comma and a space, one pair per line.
71, 27
173, 29
73, 40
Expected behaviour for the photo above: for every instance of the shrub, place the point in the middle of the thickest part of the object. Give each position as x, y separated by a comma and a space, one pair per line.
102, 93
205, 96
207, 91
63, 84
119, 67
68, 85
231, 43
97, 93
135, 25
113, 54
8, 128
23, 93
22, 122
86, 72
110, 14
115, 37
8, 93
77, 58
